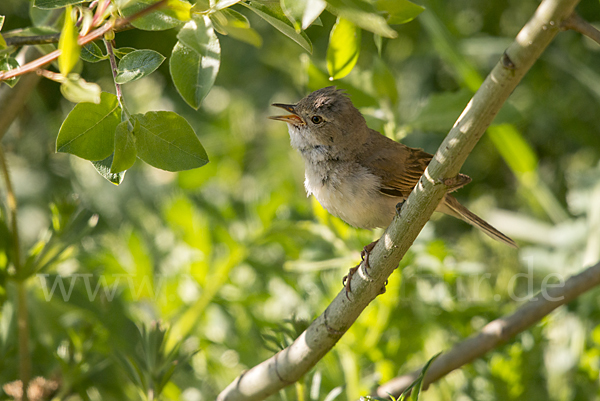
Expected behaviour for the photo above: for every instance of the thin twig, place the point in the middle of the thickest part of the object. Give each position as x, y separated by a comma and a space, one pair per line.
12, 38
22, 319
292, 363
576, 23
499, 331
114, 70
83, 40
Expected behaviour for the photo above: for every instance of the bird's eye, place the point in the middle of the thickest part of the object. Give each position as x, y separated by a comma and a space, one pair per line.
316, 119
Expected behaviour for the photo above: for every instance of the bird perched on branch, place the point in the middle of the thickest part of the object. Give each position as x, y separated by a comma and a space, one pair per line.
358, 174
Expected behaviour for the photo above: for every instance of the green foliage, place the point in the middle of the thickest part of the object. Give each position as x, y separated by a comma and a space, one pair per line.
344, 48
195, 60
233, 257
137, 64
88, 130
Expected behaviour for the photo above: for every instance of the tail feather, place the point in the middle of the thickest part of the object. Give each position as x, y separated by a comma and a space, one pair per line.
451, 207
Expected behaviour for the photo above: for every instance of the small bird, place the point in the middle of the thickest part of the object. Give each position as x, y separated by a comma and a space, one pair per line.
358, 174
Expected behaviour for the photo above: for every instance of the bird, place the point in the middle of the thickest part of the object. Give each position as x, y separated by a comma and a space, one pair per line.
358, 174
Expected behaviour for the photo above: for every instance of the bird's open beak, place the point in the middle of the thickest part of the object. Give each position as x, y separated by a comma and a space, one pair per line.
293, 118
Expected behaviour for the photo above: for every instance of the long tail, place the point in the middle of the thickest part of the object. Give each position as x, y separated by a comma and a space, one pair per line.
451, 207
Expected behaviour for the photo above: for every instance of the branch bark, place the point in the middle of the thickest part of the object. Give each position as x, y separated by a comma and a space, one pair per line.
578, 24
292, 363
498, 331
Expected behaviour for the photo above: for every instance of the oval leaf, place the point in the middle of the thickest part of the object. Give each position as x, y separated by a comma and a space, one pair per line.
195, 61
363, 14
125, 152
7, 64
313, 9
51, 4
399, 11
169, 16
343, 49
273, 14
89, 129
92, 53
138, 64
67, 44
166, 140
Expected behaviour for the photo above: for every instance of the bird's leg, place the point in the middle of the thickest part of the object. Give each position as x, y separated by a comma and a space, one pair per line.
365, 255
399, 207
454, 183
365, 259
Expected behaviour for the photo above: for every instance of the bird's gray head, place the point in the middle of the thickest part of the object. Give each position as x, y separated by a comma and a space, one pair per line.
326, 120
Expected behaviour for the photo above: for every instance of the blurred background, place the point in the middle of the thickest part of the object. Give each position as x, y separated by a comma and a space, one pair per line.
236, 261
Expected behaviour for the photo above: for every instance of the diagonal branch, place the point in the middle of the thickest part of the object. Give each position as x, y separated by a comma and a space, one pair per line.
292, 363
499, 331
578, 24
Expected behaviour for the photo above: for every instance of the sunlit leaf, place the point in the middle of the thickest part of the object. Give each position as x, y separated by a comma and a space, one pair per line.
67, 44
138, 64
77, 90
235, 25
313, 9
166, 140
399, 11
343, 49
195, 61
294, 10
363, 14
273, 14
125, 151
172, 14
2, 41
89, 129
221, 4
50, 4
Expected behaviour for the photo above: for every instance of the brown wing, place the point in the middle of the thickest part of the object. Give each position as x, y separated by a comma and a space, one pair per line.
398, 165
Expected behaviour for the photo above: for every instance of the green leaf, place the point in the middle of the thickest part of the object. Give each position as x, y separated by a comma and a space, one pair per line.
313, 9
125, 151
343, 49
103, 168
123, 51
399, 11
8, 64
92, 53
195, 61
2, 41
294, 11
273, 14
166, 140
67, 44
413, 391
89, 129
169, 16
363, 14
138, 64
221, 4
76, 90
51, 4
230, 22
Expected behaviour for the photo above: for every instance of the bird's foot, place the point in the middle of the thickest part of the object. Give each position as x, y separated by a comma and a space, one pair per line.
365, 261
454, 183
399, 207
